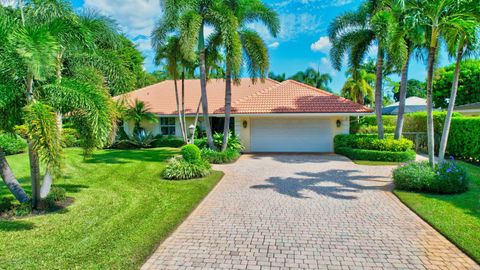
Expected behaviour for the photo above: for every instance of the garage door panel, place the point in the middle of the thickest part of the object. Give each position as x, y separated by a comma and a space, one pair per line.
291, 135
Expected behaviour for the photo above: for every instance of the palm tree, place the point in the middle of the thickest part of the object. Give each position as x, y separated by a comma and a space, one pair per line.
404, 39
439, 18
358, 86
189, 18
355, 33
314, 78
139, 112
461, 39
237, 38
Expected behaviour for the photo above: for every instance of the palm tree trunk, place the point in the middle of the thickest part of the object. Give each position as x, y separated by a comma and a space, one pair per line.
378, 92
183, 106
430, 129
203, 86
228, 108
10, 181
403, 97
34, 174
192, 136
451, 106
179, 114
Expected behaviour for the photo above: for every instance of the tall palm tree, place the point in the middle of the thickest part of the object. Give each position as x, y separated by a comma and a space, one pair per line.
236, 38
314, 78
189, 18
355, 34
139, 112
439, 18
461, 40
358, 86
404, 39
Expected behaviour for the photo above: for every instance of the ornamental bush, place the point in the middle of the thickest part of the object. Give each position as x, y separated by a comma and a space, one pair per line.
233, 142
415, 176
464, 138
168, 141
180, 169
447, 178
12, 144
375, 155
216, 157
191, 153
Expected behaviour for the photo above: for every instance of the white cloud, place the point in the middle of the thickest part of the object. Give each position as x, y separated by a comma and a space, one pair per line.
323, 44
274, 44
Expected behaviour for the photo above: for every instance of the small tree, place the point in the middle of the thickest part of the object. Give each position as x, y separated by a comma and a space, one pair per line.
139, 112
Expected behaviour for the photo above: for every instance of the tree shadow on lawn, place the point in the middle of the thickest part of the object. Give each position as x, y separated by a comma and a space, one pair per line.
128, 156
15, 225
339, 183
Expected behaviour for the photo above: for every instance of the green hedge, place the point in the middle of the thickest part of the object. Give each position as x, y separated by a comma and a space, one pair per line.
169, 141
375, 155
371, 120
464, 138
369, 147
374, 129
12, 144
216, 157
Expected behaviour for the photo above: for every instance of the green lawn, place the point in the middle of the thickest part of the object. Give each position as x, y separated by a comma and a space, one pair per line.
376, 163
455, 216
122, 210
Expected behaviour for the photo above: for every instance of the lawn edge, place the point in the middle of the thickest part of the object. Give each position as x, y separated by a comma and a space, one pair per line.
194, 209
466, 252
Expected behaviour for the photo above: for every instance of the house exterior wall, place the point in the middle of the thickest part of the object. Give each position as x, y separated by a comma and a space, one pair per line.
156, 129
245, 132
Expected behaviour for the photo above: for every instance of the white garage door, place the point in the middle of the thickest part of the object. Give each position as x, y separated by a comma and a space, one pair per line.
291, 135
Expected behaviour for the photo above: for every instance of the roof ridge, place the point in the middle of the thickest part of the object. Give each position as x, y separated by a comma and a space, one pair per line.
263, 91
311, 87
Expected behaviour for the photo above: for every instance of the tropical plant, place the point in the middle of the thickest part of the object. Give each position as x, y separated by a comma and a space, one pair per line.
442, 20
355, 34
461, 39
314, 78
277, 77
139, 112
358, 86
236, 38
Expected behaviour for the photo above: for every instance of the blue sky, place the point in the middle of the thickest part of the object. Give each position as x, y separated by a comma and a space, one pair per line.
302, 42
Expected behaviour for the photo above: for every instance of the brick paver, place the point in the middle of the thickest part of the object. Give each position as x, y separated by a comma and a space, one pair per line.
305, 212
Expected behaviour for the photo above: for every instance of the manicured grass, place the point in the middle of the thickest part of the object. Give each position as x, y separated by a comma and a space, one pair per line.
376, 163
122, 210
455, 216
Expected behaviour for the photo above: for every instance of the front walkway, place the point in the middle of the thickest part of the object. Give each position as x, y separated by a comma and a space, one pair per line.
305, 212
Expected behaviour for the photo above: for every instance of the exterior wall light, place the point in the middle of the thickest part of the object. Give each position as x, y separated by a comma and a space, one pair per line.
191, 128
339, 123
245, 123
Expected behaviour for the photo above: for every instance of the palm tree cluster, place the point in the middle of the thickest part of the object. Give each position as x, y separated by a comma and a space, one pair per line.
399, 30
179, 40
56, 63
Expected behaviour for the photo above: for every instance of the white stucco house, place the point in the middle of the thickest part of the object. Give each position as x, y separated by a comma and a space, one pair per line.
268, 116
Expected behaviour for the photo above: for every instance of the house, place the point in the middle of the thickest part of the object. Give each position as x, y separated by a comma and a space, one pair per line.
267, 116
472, 109
412, 104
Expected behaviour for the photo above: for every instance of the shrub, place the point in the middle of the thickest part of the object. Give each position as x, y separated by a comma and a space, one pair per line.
57, 194
376, 155
233, 142
464, 139
12, 144
180, 169
415, 176
374, 129
371, 120
191, 153
23, 209
168, 141
450, 178
371, 142
216, 157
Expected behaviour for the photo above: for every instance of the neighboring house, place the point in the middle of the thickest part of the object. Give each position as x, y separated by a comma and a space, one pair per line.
472, 109
412, 104
268, 116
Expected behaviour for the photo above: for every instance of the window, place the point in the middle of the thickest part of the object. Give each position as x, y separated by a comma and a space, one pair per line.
167, 125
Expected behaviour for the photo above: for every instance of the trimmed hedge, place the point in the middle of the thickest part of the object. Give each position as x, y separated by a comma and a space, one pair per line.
374, 129
369, 147
191, 153
376, 155
169, 141
464, 138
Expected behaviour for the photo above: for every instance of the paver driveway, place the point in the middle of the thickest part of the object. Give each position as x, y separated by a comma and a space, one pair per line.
305, 212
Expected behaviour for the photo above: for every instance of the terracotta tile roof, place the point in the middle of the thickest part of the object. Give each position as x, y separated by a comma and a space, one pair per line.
247, 98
